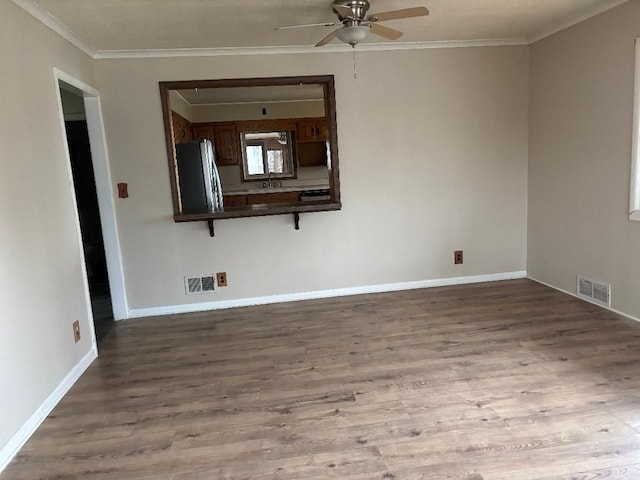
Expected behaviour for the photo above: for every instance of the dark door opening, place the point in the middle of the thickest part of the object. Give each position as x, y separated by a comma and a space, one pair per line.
90, 227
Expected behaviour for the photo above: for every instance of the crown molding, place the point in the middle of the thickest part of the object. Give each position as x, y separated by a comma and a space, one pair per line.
31, 7
54, 24
575, 20
303, 49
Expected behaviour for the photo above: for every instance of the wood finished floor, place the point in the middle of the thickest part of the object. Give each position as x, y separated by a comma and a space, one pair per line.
507, 380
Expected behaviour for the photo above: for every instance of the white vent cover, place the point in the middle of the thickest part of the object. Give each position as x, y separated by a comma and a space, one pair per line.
595, 292
204, 284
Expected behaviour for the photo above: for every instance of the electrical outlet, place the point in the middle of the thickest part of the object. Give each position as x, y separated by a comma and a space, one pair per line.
222, 279
76, 331
457, 257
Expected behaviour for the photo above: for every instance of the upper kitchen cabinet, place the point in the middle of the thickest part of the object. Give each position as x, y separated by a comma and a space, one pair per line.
181, 128
227, 142
224, 137
202, 132
312, 154
312, 130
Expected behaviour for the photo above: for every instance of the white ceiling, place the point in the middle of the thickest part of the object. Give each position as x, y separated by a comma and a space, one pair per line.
134, 25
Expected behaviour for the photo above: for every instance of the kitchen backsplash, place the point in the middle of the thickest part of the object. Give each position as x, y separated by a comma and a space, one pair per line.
231, 178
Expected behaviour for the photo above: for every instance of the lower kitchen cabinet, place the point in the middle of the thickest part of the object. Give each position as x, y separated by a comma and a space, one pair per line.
277, 197
235, 200
261, 198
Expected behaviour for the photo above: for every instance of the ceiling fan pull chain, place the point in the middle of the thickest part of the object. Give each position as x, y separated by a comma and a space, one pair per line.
355, 71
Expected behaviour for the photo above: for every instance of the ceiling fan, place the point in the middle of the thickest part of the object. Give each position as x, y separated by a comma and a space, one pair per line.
356, 24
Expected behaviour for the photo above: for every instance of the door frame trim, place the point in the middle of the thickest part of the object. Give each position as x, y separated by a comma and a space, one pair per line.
106, 204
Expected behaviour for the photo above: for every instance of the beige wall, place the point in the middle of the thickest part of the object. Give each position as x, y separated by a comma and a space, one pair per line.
253, 111
433, 150
433, 158
41, 284
580, 154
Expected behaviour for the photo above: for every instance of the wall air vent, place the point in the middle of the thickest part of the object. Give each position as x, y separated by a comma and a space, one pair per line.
196, 285
594, 292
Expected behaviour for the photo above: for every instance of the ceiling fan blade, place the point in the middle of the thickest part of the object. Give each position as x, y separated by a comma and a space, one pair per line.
397, 14
326, 24
385, 32
343, 11
326, 39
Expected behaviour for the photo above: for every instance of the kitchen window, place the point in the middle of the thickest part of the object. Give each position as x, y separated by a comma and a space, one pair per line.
267, 155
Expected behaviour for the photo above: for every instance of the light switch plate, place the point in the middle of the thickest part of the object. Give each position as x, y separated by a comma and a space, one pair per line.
123, 190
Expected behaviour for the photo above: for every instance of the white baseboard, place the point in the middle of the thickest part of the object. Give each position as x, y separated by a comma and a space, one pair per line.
340, 292
13, 446
574, 294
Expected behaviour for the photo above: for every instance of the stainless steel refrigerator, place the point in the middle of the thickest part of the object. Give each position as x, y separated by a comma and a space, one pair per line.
198, 177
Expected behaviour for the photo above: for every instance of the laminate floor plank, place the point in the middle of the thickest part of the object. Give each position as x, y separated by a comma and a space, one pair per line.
498, 381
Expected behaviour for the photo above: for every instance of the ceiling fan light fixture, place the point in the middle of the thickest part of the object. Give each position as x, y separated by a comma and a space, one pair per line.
352, 34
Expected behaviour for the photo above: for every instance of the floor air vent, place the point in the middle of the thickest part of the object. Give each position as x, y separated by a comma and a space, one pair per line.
204, 284
595, 292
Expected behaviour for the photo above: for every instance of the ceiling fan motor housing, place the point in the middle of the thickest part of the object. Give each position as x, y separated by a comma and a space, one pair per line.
356, 24
359, 9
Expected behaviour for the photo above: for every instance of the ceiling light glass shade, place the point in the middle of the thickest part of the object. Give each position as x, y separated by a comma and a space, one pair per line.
353, 34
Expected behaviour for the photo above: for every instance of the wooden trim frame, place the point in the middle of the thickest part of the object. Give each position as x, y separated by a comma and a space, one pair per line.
328, 85
634, 190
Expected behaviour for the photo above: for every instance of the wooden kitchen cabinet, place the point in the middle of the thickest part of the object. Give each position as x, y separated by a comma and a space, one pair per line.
311, 130
260, 198
312, 154
227, 143
235, 200
202, 132
278, 197
181, 129
223, 136
322, 129
312, 136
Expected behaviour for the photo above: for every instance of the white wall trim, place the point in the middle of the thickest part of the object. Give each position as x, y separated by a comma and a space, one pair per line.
634, 189
104, 187
575, 294
13, 446
58, 76
575, 20
340, 292
54, 24
306, 49
74, 82
106, 203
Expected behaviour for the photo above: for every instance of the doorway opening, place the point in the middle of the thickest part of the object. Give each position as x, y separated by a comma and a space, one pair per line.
86, 195
96, 222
